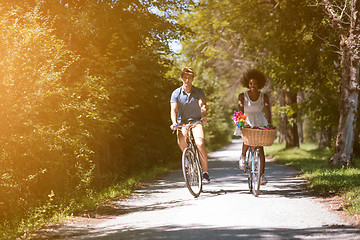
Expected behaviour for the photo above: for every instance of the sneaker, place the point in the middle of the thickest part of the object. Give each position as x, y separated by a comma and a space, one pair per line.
242, 162
206, 178
263, 180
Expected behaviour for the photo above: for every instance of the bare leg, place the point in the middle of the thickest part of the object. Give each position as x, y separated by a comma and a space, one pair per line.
200, 143
181, 140
262, 159
244, 149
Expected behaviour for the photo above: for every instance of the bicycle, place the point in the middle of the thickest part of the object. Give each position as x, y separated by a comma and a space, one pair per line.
255, 138
253, 168
191, 166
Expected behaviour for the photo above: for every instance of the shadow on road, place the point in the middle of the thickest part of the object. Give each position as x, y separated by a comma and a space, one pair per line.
226, 178
210, 232
165, 209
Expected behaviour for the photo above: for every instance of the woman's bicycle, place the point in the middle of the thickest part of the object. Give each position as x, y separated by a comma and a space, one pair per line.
252, 169
255, 138
191, 165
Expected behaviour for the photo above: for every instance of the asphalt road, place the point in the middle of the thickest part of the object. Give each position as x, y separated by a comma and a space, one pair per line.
225, 210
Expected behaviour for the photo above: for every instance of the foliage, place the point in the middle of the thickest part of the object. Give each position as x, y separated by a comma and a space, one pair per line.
290, 41
38, 144
212, 71
85, 86
83, 106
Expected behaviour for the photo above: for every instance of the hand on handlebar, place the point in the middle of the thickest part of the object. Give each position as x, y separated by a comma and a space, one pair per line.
173, 127
176, 126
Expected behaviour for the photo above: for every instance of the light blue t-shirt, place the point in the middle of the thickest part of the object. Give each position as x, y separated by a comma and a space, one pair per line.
188, 105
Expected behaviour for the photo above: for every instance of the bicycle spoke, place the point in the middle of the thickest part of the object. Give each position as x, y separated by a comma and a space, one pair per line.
192, 173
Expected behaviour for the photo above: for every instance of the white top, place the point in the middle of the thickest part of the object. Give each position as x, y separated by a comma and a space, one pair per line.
253, 110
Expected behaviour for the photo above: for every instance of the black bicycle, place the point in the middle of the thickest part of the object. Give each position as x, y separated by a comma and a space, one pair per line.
191, 165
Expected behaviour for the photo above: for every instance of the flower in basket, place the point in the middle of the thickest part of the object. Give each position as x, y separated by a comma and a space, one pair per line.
240, 119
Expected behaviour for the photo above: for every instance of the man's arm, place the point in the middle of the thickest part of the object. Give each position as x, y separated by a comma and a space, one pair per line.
202, 104
173, 114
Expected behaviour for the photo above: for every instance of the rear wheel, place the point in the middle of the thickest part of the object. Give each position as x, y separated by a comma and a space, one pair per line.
256, 173
192, 172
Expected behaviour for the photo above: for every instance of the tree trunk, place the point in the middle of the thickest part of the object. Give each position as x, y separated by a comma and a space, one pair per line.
282, 126
291, 132
350, 48
300, 99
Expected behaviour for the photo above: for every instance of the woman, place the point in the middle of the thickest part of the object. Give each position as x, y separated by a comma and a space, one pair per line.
252, 103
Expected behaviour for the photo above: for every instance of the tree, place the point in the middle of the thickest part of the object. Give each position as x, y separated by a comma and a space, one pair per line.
37, 144
286, 39
346, 22
83, 89
126, 59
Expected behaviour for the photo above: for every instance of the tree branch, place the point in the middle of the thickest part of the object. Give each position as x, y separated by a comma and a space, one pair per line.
343, 10
327, 42
336, 21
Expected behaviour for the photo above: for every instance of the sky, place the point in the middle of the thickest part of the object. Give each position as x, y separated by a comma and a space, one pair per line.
175, 46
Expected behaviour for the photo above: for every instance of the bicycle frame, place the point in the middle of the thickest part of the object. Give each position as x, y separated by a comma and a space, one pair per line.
190, 141
191, 165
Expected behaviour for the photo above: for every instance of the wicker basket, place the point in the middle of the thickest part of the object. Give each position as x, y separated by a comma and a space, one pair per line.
257, 137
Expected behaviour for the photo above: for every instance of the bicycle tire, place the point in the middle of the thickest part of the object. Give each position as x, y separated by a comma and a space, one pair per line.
250, 183
248, 169
255, 170
192, 172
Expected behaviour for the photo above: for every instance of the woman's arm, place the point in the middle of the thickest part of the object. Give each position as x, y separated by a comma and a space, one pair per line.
267, 108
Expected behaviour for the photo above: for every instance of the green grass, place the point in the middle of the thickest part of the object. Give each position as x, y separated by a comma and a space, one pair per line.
57, 211
312, 162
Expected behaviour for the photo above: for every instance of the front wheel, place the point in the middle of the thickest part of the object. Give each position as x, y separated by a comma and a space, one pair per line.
255, 170
248, 169
192, 172
250, 183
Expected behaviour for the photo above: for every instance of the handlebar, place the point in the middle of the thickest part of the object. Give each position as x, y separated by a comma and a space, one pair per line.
188, 125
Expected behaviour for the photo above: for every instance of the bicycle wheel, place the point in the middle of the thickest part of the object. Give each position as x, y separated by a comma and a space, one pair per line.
250, 183
248, 170
255, 170
192, 172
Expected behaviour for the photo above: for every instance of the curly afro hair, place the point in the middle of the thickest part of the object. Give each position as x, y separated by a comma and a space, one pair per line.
253, 74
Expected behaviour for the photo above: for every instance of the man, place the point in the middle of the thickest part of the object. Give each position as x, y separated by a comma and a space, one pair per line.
188, 103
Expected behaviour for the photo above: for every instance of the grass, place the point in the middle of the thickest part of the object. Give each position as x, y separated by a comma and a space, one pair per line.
312, 162
55, 212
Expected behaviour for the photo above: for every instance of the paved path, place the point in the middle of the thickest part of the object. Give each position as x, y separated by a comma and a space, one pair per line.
225, 210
